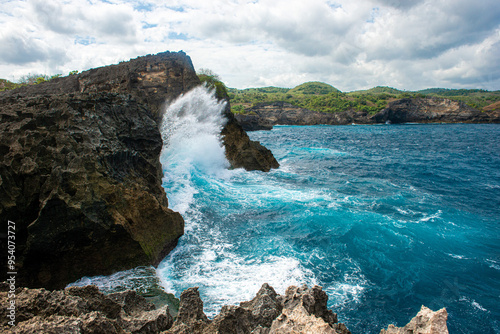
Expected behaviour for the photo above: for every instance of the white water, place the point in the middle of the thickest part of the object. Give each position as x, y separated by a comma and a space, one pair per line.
191, 141
211, 254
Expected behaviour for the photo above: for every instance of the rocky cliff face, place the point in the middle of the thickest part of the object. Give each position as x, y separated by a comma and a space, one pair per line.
264, 115
81, 179
86, 310
411, 110
80, 174
433, 110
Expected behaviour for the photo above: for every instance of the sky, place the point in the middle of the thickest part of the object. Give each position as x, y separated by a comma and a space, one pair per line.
352, 45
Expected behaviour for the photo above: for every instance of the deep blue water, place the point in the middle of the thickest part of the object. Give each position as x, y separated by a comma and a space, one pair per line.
385, 218
410, 213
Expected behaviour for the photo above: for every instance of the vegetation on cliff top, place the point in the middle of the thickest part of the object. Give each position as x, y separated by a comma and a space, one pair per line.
317, 96
30, 79
322, 97
213, 81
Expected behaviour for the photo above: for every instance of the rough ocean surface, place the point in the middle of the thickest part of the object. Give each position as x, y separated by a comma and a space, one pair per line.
264, 116
80, 174
86, 310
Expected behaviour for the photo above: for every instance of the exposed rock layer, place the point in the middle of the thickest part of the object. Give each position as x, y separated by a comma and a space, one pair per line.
80, 174
418, 110
433, 110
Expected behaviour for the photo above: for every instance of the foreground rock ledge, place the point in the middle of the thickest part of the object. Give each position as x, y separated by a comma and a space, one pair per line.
82, 310
86, 310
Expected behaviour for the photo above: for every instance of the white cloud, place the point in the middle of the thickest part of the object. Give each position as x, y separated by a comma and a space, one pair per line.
349, 44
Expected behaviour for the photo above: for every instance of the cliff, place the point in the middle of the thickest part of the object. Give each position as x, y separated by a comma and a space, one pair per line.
264, 115
80, 174
433, 110
411, 110
86, 310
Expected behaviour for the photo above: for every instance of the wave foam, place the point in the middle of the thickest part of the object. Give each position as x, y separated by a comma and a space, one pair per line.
191, 135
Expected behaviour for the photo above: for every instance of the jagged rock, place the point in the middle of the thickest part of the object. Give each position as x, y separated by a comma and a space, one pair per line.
425, 322
301, 310
313, 300
140, 316
297, 321
243, 152
80, 174
191, 319
257, 314
82, 310
266, 305
86, 310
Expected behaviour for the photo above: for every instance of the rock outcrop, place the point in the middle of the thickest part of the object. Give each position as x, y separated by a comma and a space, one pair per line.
264, 115
425, 322
411, 110
81, 179
433, 110
80, 174
243, 152
301, 310
81, 310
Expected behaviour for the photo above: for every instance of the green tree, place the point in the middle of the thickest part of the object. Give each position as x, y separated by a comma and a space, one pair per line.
212, 80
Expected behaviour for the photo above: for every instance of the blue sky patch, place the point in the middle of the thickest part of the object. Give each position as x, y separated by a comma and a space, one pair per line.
174, 35
146, 25
85, 40
143, 7
177, 9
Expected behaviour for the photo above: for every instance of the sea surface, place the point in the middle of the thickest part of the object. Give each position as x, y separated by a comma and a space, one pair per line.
385, 218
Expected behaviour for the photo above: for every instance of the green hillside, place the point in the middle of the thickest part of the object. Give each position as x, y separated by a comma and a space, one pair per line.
314, 88
380, 90
323, 97
452, 92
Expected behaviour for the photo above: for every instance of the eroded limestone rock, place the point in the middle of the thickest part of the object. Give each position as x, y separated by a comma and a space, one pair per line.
301, 310
425, 322
82, 310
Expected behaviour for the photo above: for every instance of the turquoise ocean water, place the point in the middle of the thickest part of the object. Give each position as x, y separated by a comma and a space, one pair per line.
385, 218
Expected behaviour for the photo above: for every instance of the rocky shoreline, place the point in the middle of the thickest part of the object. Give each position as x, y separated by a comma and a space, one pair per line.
80, 174
86, 310
264, 116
